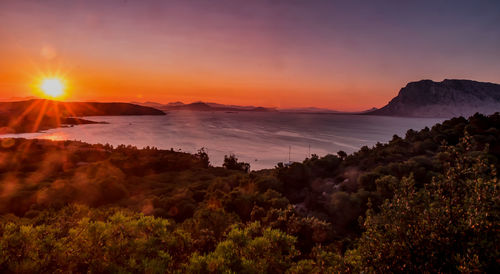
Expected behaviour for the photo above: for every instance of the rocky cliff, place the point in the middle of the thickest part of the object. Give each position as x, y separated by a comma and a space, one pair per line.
449, 98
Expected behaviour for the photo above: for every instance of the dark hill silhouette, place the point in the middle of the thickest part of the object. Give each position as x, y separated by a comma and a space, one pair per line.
210, 106
202, 106
448, 98
39, 114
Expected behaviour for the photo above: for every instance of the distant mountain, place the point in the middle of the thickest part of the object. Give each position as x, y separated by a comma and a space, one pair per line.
207, 106
198, 106
369, 110
309, 110
449, 98
148, 104
237, 107
202, 106
178, 103
39, 114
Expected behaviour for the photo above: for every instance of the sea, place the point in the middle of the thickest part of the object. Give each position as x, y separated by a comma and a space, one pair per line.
261, 139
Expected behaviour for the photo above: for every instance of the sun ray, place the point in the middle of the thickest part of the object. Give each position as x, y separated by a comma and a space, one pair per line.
56, 111
25, 112
89, 106
68, 108
40, 116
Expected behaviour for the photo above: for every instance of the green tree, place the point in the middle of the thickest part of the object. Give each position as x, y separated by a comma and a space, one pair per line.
252, 249
449, 225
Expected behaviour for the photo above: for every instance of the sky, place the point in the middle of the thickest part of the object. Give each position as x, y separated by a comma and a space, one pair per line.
343, 55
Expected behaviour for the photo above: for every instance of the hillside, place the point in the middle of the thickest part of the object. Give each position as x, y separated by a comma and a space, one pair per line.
446, 99
432, 196
39, 114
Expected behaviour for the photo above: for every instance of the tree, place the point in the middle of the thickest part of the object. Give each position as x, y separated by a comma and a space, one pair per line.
231, 162
447, 226
252, 249
202, 155
342, 154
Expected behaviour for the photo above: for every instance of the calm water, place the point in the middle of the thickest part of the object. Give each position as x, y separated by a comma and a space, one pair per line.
262, 139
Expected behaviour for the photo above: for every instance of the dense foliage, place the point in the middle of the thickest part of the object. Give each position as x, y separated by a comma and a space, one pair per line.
428, 202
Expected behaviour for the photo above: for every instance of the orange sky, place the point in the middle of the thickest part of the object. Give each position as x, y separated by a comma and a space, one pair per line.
268, 53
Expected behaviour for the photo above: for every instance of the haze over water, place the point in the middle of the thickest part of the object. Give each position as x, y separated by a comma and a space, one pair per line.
262, 139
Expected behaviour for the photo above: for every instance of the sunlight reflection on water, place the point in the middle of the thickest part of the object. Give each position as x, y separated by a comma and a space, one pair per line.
262, 139
55, 136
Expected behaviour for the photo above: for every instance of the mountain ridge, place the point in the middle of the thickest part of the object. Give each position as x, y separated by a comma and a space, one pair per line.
204, 106
210, 106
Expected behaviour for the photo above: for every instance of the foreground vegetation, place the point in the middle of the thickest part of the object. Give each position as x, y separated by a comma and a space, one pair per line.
428, 202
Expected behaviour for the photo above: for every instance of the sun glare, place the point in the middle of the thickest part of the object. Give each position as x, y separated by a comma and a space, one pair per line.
52, 87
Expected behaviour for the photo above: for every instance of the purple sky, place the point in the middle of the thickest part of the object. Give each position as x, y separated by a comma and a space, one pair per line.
345, 55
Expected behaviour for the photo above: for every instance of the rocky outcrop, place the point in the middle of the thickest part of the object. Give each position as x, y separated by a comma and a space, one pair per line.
449, 98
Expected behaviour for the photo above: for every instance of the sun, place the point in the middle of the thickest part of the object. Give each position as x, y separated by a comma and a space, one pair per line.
52, 87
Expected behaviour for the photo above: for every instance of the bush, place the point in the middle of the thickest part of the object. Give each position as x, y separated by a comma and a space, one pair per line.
231, 162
